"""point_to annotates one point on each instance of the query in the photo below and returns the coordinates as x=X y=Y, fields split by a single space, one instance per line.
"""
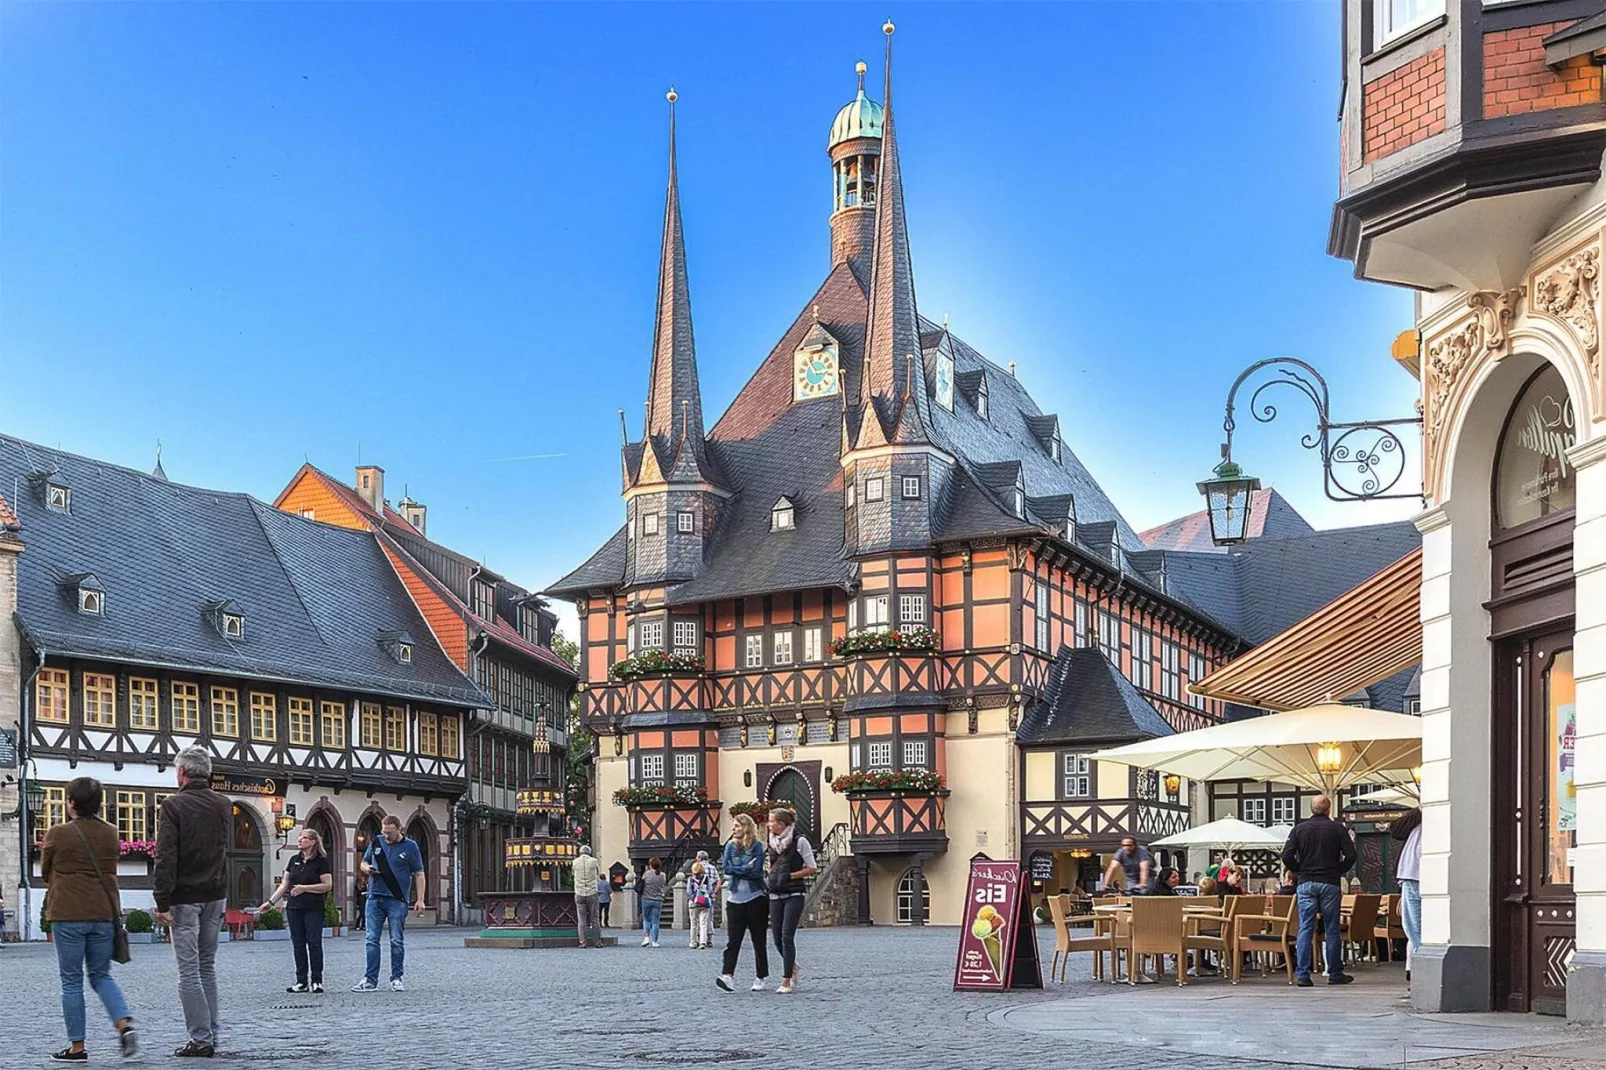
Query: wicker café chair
x=1389 y=927
x=1065 y=943
x=1360 y=930
x=1267 y=934
x=1157 y=931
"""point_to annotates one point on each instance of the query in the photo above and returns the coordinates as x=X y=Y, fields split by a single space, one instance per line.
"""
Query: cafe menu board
x=997 y=940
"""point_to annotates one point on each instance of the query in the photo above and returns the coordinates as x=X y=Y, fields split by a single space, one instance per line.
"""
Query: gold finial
x=671 y=96
x=859 y=68
x=888 y=28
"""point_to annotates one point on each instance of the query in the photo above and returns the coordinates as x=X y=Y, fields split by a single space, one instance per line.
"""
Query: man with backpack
x=391 y=863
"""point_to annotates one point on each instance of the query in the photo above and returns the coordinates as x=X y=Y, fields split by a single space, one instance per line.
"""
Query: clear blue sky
x=268 y=232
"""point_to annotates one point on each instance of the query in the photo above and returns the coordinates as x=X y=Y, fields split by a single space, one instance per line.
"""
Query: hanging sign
x=230 y=784
x=997 y=938
x=8 y=749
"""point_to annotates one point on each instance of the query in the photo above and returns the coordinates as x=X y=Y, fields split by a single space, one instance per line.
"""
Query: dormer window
x=1019 y=502
x=58 y=496
x=399 y=645
x=783 y=516
x=1070 y=529
x=86 y=592
x=234 y=625
x=404 y=653
x=91 y=601
x=1054 y=449
x=981 y=399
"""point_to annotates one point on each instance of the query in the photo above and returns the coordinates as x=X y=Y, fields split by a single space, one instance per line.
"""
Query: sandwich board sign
x=997 y=938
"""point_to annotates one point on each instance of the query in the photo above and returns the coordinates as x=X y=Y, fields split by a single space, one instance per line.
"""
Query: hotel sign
x=230 y=784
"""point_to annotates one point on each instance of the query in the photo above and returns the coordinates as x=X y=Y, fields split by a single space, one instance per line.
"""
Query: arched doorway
x=1533 y=725
x=419 y=832
x=795 y=789
x=906 y=897
x=367 y=831
x=320 y=823
x=245 y=862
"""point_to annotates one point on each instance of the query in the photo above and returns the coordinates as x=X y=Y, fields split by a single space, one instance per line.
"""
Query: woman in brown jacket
x=80 y=905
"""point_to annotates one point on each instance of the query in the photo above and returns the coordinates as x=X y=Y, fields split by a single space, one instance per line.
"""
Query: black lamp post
x=36 y=798
x=1361 y=460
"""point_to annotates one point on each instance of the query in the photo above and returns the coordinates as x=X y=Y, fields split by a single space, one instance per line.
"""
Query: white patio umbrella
x=1229 y=834
x=1405 y=793
x=1324 y=747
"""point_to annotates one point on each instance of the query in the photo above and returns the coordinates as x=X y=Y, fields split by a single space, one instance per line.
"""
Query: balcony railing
x=898 y=822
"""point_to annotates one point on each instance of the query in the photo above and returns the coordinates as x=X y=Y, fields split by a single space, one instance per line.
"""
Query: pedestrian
x=716 y=892
x=651 y=887
x=392 y=863
x=1408 y=871
x=191 y=882
x=587 y=876
x=307 y=880
x=604 y=897
x=747 y=910
x=791 y=859
x=79 y=865
x=1321 y=851
x=1132 y=863
x=699 y=901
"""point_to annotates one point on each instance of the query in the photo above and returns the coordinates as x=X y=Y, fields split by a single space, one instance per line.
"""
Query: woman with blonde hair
x=747 y=909
x=306 y=881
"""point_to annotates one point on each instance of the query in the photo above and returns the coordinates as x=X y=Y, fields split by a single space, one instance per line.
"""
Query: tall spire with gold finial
x=674 y=446
x=891 y=381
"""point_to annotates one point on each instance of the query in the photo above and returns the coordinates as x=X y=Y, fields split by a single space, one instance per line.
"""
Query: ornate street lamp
x=1173 y=785
x=1227 y=503
x=36 y=797
x=1361 y=461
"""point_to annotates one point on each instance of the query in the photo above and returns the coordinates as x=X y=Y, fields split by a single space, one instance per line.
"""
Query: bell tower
x=855 y=150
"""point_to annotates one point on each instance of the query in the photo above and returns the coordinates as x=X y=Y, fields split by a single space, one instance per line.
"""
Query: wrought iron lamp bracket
x=1362 y=460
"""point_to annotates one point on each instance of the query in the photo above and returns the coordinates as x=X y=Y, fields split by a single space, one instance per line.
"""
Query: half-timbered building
x=498 y=633
x=851 y=592
x=154 y=616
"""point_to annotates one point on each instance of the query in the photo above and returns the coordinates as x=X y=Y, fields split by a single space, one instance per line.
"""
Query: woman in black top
x=306 y=881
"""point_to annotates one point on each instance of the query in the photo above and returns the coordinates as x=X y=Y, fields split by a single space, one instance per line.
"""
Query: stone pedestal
x=530 y=919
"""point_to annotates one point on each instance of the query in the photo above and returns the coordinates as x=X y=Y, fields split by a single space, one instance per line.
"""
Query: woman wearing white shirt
x=1408 y=872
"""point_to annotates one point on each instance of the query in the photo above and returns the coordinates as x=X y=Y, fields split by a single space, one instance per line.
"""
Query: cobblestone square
x=870 y=998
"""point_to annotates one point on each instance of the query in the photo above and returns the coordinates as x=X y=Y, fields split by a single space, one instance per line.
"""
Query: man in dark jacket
x=192 y=843
x=1320 y=851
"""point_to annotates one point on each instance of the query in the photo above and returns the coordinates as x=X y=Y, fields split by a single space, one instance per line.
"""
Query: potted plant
x=910 y=781
x=331 y=916
x=661 y=795
x=654 y=660
x=139 y=926
x=907 y=640
x=137 y=849
x=270 y=925
x=758 y=811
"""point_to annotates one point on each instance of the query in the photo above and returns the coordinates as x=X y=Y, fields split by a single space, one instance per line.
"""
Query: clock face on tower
x=814 y=373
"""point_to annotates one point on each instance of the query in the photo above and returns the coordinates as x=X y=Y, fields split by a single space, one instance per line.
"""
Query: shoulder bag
x=389 y=876
x=120 y=952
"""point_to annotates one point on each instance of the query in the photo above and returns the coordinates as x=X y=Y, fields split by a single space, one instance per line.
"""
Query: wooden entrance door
x=797 y=786
x=1535 y=822
x=245 y=861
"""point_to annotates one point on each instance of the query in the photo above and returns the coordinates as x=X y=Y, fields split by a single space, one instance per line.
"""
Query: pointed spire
x=159 y=472
x=673 y=394
x=892 y=329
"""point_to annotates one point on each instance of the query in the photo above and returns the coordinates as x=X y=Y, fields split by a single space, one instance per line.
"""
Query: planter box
x=272 y=934
x=330 y=934
x=141 y=938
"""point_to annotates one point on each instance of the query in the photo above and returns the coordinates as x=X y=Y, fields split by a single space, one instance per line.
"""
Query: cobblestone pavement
x=870 y=998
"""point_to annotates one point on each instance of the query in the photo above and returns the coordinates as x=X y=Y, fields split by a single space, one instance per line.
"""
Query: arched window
x=1533 y=478
x=906 y=898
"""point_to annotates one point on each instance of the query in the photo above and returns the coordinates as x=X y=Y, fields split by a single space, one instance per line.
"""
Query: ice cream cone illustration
x=989 y=929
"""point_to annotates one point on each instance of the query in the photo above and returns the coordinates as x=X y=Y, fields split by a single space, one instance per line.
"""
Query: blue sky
x=428 y=233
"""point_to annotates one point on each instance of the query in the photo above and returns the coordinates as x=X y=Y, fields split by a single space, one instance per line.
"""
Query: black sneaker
x=194 y=1050
x=317 y=988
x=128 y=1040
x=1341 y=979
x=1304 y=982
x=298 y=987
x=67 y=1055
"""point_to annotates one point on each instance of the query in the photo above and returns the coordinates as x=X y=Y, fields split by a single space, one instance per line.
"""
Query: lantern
x=1329 y=759
x=1227 y=503
x=1173 y=784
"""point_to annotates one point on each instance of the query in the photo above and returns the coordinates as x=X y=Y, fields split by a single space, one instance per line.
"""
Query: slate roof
x=417 y=552
x=1087 y=700
x=1270 y=517
x=315 y=597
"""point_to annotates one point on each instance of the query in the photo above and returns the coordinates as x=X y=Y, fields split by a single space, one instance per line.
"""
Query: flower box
x=655 y=660
x=907 y=781
x=272 y=934
x=661 y=795
x=142 y=938
x=908 y=641
x=758 y=811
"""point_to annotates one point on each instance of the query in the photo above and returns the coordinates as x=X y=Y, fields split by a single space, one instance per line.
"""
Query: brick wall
x=1516 y=78
x=1403 y=107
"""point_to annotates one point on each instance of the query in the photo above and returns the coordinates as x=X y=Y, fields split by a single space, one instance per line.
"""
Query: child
x=699 y=900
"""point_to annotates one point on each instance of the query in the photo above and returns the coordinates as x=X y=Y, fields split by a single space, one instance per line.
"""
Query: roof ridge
x=29 y=447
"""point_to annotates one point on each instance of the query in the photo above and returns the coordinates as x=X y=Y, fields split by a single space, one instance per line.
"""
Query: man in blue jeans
x=391 y=863
x=1320 y=851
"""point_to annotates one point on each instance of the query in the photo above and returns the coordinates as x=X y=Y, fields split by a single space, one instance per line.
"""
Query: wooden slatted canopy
x=1367 y=634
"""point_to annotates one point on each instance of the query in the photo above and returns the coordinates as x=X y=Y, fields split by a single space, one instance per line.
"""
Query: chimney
x=371 y=486
x=413 y=512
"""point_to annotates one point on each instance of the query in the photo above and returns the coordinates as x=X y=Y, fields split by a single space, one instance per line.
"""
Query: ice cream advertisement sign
x=997 y=943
